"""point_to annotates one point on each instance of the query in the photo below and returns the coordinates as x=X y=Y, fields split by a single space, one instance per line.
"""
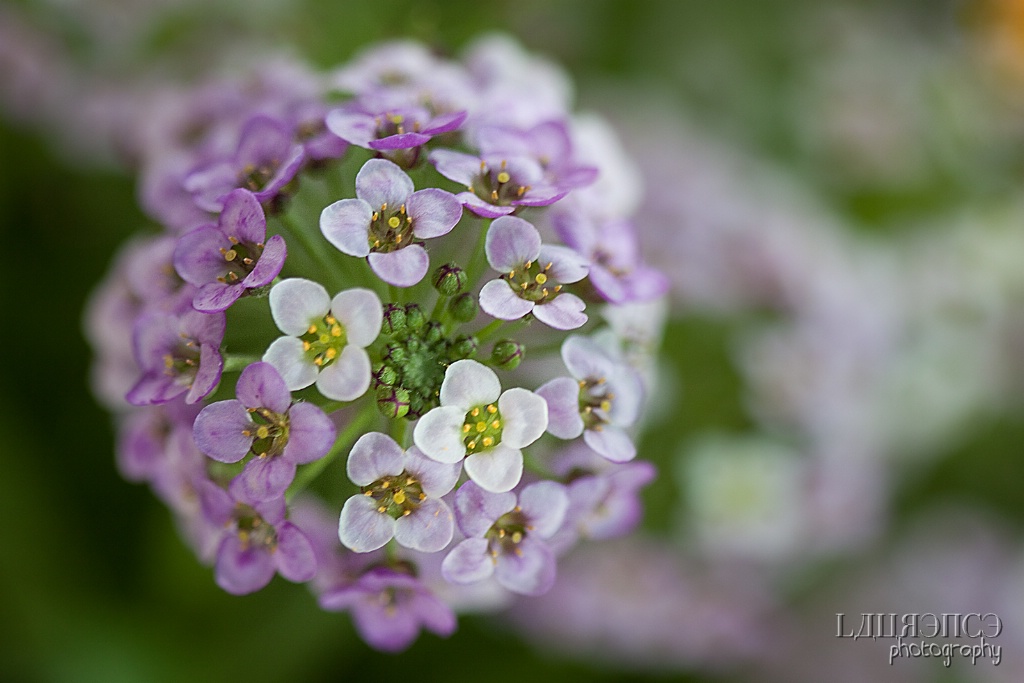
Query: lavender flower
x=401 y=497
x=533 y=274
x=327 y=337
x=264 y=421
x=227 y=259
x=478 y=422
x=390 y=607
x=497 y=185
x=506 y=536
x=256 y=541
x=266 y=159
x=383 y=221
x=600 y=400
x=178 y=355
x=549 y=143
x=390 y=129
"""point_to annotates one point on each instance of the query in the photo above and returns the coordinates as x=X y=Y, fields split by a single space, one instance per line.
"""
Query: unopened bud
x=385 y=375
x=463 y=307
x=462 y=348
x=507 y=354
x=449 y=279
x=433 y=333
x=394 y=319
x=414 y=317
x=393 y=402
x=394 y=353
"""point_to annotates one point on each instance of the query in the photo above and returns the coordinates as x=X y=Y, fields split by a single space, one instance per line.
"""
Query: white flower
x=479 y=422
x=326 y=339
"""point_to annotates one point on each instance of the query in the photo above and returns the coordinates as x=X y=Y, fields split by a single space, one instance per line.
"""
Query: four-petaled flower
x=532 y=276
x=479 y=422
x=392 y=128
x=327 y=338
x=496 y=185
x=264 y=421
x=228 y=258
x=506 y=536
x=401 y=497
x=386 y=218
x=257 y=541
x=600 y=400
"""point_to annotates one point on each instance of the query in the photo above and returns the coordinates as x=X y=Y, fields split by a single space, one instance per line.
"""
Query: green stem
x=395 y=293
x=236 y=362
x=489 y=330
x=399 y=431
x=314 y=250
x=477 y=259
x=352 y=431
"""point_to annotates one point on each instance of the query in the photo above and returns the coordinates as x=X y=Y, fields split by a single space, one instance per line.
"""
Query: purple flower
x=178 y=355
x=266 y=159
x=548 y=143
x=389 y=607
x=392 y=129
x=256 y=541
x=497 y=185
x=383 y=221
x=506 y=536
x=263 y=420
x=233 y=256
x=327 y=337
x=401 y=497
x=533 y=274
x=600 y=400
x=617 y=270
x=479 y=422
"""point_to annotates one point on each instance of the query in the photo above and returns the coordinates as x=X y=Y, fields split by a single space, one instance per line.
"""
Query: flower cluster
x=368 y=257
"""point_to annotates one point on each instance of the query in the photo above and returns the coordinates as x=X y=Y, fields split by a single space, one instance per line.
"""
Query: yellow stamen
x=541 y=278
x=488 y=442
x=399 y=496
x=504 y=177
x=230 y=255
x=262 y=432
x=312 y=329
x=331 y=353
x=496 y=424
x=481 y=426
x=474 y=412
x=336 y=330
x=491 y=409
x=394 y=221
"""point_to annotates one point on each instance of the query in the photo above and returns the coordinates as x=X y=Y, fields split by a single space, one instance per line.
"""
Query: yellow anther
x=471 y=445
x=504 y=164
x=492 y=409
x=465 y=429
x=234 y=240
x=336 y=330
x=474 y=412
x=494 y=195
x=518 y=552
x=397 y=118
x=246 y=432
x=312 y=329
x=496 y=424
x=398 y=238
x=488 y=442
x=521 y=191
x=406 y=513
x=247 y=261
x=306 y=346
x=481 y=426
x=367 y=493
x=399 y=496
x=318 y=361
x=168 y=361
x=606 y=405
x=541 y=278
x=409 y=481
x=383 y=207
x=382 y=508
x=386 y=483
x=262 y=432
x=331 y=353
x=330 y=319
x=501 y=533
x=394 y=221
x=230 y=255
x=517 y=536
x=376 y=243
x=504 y=177
x=401 y=209
x=558 y=288
x=511 y=274
x=232 y=277
x=423 y=496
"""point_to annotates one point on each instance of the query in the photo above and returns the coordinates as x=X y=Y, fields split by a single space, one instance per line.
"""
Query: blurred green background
x=95 y=584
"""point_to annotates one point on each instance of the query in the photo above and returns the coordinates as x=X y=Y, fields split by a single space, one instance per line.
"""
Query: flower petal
x=499 y=300
x=564 y=312
x=434 y=212
x=402 y=267
x=296 y=303
x=586 y=359
x=466 y=385
x=219 y=431
x=243 y=217
x=288 y=357
x=346 y=225
x=524 y=417
x=468 y=562
x=348 y=377
x=438 y=434
x=295 y=558
x=566 y=265
x=381 y=182
x=462 y=168
x=611 y=442
x=476 y=510
x=374 y=456
x=497 y=469
x=360 y=311
x=264 y=479
x=530 y=571
x=562 y=395
x=436 y=478
x=511 y=242
x=261 y=386
x=269 y=264
x=429 y=528
x=311 y=434
x=215 y=297
x=361 y=527
x=242 y=569
x=544 y=503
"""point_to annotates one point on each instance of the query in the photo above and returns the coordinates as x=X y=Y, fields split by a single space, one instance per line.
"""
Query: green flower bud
x=394 y=320
x=463 y=307
x=463 y=347
x=394 y=353
x=449 y=279
x=385 y=375
x=414 y=317
x=433 y=333
x=393 y=402
x=507 y=354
